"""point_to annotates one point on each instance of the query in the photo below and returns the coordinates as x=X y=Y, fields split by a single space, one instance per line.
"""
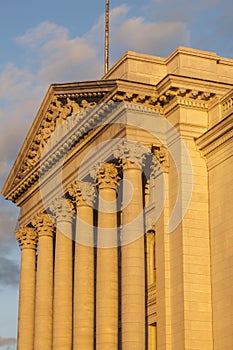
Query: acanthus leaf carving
x=44 y=224
x=59 y=110
x=82 y=192
x=27 y=238
x=62 y=209
x=107 y=176
x=131 y=153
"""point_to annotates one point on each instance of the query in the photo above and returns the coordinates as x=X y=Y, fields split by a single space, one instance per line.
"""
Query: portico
x=114 y=198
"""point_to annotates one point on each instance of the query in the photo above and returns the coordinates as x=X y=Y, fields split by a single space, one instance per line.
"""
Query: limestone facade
x=124 y=186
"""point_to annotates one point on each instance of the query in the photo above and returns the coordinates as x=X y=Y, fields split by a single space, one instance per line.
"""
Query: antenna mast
x=106 y=60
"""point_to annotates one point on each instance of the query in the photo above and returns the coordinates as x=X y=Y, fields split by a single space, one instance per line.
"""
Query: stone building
x=125 y=192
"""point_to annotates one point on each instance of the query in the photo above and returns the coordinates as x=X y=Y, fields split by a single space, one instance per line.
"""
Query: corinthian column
x=27 y=238
x=63 y=275
x=107 y=261
x=132 y=248
x=44 y=282
x=83 y=194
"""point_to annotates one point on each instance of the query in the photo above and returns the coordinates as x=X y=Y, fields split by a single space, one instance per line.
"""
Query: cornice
x=83 y=106
x=216 y=137
x=61 y=107
x=91 y=91
x=169 y=99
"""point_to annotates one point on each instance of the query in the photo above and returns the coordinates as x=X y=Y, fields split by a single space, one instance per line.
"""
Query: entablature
x=84 y=105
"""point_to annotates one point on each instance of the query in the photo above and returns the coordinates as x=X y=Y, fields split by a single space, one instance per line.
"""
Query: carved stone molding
x=61 y=108
x=107 y=176
x=62 y=209
x=148 y=100
x=70 y=140
x=164 y=102
x=131 y=154
x=27 y=238
x=83 y=193
x=44 y=224
x=216 y=136
x=64 y=106
x=74 y=109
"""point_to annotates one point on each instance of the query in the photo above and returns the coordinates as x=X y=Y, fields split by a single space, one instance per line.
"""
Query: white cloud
x=13 y=81
x=60 y=58
x=147 y=36
x=51 y=55
x=42 y=34
x=64 y=58
x=137 y=35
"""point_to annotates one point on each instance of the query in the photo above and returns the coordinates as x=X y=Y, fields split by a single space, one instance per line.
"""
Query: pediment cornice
x=79 y=100
x=60 y=102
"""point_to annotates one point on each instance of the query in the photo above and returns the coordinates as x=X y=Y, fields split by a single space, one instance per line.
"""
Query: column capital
x=62 y=209
x=132 y=154
x=107 y=176
x=27 y=238
x=44 y=224
x=83 y=193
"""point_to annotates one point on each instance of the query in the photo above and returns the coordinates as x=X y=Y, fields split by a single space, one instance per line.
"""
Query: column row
x=62 y=294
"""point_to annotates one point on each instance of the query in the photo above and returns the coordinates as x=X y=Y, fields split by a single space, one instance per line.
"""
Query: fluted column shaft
x=63 y=276
x=132 y=156
x=44 y=283
x=83 y=328
x=107 y=261
x=133 y=264
x=27 y=238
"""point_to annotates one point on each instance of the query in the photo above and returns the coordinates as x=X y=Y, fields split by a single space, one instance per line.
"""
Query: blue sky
x=48 y=41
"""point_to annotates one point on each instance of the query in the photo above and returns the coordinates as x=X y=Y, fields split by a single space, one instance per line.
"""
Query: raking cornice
x=79 y=101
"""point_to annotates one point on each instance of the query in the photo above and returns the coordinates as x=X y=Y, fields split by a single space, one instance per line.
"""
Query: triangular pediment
x=60 y=102
x=64 y=101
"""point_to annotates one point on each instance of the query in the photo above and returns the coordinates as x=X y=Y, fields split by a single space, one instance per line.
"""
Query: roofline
x=53 y=89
